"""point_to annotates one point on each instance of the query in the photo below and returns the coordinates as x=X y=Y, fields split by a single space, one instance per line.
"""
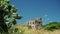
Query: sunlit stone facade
x=36 y=23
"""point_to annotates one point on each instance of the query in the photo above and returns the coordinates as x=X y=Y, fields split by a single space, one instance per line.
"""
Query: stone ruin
x=35 y=24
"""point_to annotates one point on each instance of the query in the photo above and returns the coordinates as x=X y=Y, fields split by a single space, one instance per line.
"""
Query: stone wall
x=36 y=23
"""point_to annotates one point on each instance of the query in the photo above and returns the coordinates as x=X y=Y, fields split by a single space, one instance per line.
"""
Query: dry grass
x=25 y=30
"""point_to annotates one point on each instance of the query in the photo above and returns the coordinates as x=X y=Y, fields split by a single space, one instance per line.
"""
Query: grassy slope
x=25 y=30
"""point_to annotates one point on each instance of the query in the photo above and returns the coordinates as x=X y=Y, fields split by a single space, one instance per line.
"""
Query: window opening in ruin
x=33 y=22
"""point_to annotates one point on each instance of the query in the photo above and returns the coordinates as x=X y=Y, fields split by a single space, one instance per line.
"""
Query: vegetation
x=8 y=15
x=25 y=30
x=20 y=29
x=52 y=26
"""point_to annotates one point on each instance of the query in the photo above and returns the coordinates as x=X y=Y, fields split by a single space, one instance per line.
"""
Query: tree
x=8 y=15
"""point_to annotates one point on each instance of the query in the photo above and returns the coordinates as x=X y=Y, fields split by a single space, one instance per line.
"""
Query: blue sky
x=48 y=10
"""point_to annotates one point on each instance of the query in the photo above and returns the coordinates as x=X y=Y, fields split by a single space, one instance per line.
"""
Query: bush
x=52 y=26
x=29 y=27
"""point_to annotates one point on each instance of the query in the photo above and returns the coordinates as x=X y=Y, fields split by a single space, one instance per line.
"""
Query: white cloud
x=51 y=21
x=48 y=19
x=45 y=15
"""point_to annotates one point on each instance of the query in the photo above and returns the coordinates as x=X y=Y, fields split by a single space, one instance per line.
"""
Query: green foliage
x=15 y=31
x=29 y=27
x=52 y=26
x=8 y=14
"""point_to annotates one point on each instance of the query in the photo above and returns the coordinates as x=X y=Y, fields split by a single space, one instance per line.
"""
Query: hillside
x=25 y=30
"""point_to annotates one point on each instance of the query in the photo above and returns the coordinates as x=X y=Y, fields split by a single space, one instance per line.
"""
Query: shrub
x=52 y=26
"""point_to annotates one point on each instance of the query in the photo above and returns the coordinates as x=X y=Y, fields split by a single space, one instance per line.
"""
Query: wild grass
x=26 y=30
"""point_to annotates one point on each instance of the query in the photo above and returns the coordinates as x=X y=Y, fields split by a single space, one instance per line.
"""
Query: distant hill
x=52 y=26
